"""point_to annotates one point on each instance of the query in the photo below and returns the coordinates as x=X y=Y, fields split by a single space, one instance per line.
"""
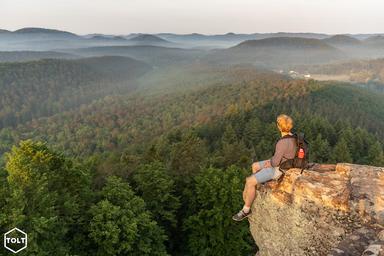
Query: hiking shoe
x=240 y=215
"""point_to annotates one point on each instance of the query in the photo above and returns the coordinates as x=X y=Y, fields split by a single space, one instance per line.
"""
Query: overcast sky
x=200 y=16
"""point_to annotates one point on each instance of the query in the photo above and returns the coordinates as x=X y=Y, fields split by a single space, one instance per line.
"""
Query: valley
x=119 y=137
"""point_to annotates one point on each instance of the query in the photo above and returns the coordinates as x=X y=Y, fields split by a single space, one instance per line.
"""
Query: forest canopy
x=158 y=170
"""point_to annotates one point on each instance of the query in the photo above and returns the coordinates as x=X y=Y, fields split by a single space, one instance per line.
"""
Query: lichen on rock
x=339 y=211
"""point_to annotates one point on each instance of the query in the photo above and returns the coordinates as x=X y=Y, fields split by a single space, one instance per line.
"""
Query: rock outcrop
x=338 y=210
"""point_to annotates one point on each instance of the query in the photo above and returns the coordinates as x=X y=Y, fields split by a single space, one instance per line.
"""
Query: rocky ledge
x=327 y=210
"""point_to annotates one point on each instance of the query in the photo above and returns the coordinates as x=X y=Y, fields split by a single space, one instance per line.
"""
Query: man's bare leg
x=255 y=168
x=244 y=192
x=249 y=194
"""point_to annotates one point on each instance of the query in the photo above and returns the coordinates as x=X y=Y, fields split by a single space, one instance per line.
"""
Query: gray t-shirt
x=285 y=149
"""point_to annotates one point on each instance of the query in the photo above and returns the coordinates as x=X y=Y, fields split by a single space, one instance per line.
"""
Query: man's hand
x=256 y=167
x=267 y=164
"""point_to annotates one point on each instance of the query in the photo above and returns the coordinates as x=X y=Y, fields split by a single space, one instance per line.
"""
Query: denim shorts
x=267 y=174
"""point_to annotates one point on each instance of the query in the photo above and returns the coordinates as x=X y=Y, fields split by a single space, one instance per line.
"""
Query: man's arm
x=279 y=152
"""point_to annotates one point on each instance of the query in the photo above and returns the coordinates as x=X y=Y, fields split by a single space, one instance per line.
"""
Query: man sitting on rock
x=267 y=170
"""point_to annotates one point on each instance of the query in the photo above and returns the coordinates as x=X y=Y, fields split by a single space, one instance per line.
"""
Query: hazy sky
x=201 y=16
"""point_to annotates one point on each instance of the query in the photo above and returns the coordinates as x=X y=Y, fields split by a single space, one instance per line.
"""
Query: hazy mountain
x=230 y=39
x=42 y=39
x=285 y=43
x=289 y=34
x=355 y=48
x=196 y=40
x=154 y=55
x=33 y=55
x=238 y=37
x=375 y=40
x=44 y=31
x=108 y=38
x=45 y=87
x=38 y=39
x=364 y=36
x=115 y=67
x=183 y=37
x=148 y=39
x=278 y=52
x=342 y=40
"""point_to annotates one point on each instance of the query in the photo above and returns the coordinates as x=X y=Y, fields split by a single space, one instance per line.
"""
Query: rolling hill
x=148 y=39
x=342 y=40
x=31 y=34
x=375 y=41
x=155 y=142
x=278 y=52
x=38 y=39
x=45 y=87
x=138 y=119
x=235 y=37
x=291 y=43
x=155 y=55
x=108 y=38
x=45 y=31
x=195 y=141
x=33 y=55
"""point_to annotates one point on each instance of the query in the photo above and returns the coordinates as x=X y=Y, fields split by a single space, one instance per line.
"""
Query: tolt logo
x=15 y=240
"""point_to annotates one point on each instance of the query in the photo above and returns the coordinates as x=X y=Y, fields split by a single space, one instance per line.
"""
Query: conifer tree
x=341 y=152
x=210 y=229
x=120 y=224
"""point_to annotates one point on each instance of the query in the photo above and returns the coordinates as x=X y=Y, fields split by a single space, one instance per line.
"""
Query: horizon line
x=190 y=33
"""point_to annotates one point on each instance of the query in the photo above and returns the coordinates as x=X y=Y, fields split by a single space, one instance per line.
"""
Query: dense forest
x=116 y=146
x=160 y=171
x=45 y=87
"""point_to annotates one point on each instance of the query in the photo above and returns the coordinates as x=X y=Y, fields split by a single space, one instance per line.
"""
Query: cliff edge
x=329 y=210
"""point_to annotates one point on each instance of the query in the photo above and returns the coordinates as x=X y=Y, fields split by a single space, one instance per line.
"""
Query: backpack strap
x=286 y=160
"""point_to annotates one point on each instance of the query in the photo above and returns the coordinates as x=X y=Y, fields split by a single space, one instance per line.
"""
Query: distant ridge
x=147 y=38
x=293 y=34
x=32 y=30
x=108 y=38
x=375 y=39
x=4 y=31
x=285 y=42
x=21 y=56
x=154 y=54
x=251 y=35
x=342 y=40
x=277 y=52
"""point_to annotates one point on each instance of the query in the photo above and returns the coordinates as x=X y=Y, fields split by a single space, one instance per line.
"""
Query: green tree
x=4 y=195
x=233 y=150
x=320 y=150
x=188 y=156
x=120 y=224
x=341 y=152
x=156 y=187
x=210 y=229
x=375 y=155
x=47 y=197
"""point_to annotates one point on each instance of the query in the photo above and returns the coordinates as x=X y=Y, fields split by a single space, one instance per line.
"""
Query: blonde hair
x=284 y=123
